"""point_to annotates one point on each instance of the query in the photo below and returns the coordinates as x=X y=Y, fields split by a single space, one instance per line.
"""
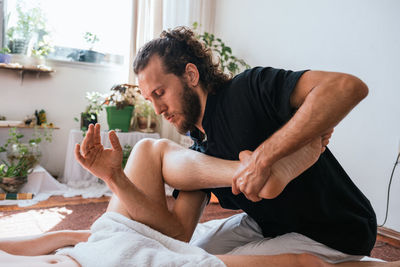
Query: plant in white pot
x=120 y=105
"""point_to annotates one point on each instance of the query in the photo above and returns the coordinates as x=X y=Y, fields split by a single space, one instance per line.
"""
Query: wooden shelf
x=27 y=126
x=23 y=70
x=27 y=69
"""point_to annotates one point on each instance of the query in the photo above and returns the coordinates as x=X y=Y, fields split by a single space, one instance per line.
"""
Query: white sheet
x=119 y=241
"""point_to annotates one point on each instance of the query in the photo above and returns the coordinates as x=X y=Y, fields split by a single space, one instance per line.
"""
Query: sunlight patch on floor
x=31 y=222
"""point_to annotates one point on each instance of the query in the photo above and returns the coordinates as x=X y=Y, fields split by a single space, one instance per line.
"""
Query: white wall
x=360 y=37
x=61 y=95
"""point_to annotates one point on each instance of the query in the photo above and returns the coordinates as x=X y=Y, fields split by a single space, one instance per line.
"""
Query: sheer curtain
x=150 y=17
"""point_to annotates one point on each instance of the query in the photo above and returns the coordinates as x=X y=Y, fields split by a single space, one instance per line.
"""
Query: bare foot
x=286 y=169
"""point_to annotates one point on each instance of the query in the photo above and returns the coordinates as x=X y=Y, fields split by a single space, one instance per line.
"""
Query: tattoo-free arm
x=322 y=100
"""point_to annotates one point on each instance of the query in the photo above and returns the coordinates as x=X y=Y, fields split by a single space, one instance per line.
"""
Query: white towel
x=119 y=241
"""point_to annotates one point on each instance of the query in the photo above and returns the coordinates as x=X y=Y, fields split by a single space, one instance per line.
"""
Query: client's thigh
x=39 y=261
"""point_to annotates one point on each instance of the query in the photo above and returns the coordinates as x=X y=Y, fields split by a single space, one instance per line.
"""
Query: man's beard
x=191 y=109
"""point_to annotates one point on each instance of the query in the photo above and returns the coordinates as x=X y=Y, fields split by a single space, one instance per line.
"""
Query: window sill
x=82 y=65
x=54 y=63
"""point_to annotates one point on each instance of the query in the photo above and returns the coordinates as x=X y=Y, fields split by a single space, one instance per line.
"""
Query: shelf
x=23 y=70
x=27 y=69
x=28 y=127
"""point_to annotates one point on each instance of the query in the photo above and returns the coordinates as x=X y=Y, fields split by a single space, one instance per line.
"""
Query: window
x=73 y=30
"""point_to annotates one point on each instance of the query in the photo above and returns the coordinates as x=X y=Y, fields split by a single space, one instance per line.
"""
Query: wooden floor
x=56 y=201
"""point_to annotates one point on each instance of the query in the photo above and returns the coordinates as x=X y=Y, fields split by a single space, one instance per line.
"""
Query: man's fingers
x=327 y=135
x=114 y=141
x=248 y=191
x=244 y=155
x=78 y=155
x=235 y=188
x=96 y=134
x=87 y=141
x=325 y=139
x=325 y=142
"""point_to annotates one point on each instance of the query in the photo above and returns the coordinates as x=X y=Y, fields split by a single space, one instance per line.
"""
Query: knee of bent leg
x=144 y=144
x=162 y=145
x=309 y=260
x=148 y=145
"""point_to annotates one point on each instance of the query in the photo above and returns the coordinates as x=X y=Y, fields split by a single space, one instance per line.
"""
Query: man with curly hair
x=260 y=117
x=120 y=238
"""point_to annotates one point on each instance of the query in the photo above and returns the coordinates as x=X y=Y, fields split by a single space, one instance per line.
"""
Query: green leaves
x=15 y=170
x=126 y=151
x=227 y=61
x=22 y=157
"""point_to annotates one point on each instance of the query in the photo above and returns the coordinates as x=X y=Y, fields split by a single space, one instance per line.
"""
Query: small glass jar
x=30 y=152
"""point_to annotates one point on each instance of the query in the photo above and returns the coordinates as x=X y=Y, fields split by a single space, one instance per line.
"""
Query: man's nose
x=158 y=108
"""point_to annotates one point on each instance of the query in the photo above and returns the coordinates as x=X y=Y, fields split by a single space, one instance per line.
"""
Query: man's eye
x=159 y=92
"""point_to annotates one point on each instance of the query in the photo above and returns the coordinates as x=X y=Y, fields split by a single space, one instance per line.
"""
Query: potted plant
x=126 y=151
x=90 y=55
x=4 y=55
x=119 y=106
x=30 y=21
x=146 y=117
x=41 y=50
x=14 y=176
x=21 y=158
x=227 y=61
x=92 y=111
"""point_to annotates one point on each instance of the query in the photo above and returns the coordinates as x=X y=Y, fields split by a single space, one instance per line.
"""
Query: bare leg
x=153 y=162
x=283 y=260
x=32 y=250
x=286 y=169
x=44 y=243
x=144 y=170
x=190 y=170
x=294 y=260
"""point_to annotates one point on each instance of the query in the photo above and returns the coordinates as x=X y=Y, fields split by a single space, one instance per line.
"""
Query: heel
x=286 y=169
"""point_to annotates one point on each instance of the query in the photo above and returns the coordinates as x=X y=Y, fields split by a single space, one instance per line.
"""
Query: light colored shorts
x=241 y=235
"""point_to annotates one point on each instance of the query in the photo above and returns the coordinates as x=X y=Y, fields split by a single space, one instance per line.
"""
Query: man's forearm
x=323 y=108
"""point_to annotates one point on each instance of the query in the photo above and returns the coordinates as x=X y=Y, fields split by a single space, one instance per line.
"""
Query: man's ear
x=192 y=74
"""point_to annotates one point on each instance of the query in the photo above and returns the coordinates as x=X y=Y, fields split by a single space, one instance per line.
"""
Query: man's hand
x=325 y=139
x=101 y=162
x=250 y=176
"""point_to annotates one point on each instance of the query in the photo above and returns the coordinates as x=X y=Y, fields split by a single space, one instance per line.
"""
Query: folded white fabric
x=119 y=241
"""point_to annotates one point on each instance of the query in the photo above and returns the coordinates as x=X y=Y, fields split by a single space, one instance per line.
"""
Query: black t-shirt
x=322 y=203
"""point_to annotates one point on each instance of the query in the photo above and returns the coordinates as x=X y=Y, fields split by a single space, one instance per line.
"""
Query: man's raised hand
x=101 y=162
